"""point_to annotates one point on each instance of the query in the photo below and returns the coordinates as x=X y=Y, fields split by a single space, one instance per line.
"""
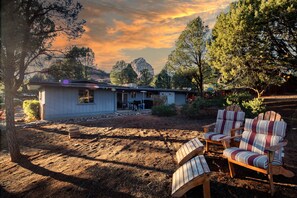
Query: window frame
x=88 y=96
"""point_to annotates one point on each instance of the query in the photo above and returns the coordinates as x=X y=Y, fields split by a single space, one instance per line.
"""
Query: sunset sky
x=129 y=29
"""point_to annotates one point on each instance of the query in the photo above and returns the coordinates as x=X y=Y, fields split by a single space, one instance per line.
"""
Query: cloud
x=116 y=26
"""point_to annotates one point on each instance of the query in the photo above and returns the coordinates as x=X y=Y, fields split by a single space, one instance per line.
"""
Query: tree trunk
x=11 y=135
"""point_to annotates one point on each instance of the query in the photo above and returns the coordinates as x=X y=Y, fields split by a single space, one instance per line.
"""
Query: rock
x=140 y=64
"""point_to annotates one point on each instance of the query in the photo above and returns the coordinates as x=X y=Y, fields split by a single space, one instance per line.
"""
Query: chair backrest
x=269 y=115
x=260 y=134
x=227 y=120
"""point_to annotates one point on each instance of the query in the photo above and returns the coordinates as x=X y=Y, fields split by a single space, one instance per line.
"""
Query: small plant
x=254 y=107
x=238 y=98
x=164 y=110
x=31 y=109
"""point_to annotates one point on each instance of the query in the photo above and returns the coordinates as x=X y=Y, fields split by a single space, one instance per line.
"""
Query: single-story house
x=66 y=99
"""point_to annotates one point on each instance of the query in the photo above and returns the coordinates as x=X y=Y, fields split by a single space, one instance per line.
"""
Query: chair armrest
x=276 y=147
x=226 y=140
x=230 y=137
x=206 y=127
x=271 y=150
x=235 y=129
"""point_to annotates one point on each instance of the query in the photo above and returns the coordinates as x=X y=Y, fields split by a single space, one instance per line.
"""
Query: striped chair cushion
x=227 y=120
x=214 y=136
x=260 y=134
x=249 y=157
x=230 y=115
x=224 y=126
x=277 y=128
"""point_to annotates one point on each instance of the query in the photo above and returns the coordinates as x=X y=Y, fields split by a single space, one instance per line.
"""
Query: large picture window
x=85 y=96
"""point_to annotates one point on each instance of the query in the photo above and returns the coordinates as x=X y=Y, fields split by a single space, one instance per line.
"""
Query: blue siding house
x=69 y=99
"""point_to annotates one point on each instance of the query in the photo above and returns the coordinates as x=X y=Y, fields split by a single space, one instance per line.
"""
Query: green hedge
x=164 y=110
x=31 y=109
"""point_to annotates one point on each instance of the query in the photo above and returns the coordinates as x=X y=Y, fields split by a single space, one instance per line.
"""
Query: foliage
x=246 y=44
x=159 y=100
x=66 y=69
x=200 y=107
x=190 y=52
x=38 y=23
x=163 y=80
x=164 y=110
x=122 y=73
x=31 y=109
x=145 y=78
x=129 y=75
x=183 y=78
x=238 y=98
x=253 y=107
x=74 y=65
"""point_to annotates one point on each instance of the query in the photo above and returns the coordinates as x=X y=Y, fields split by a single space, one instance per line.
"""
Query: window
x=149 y=95
x=85 y=96
x=133 y=94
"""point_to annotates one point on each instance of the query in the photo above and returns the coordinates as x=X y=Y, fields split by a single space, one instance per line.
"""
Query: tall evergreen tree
x=190 y=52
x=122 y=73
x=249 y=49
x=163 y=80
x=28 y=28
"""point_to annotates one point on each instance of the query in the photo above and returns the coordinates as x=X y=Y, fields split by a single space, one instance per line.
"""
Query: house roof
x=33 y=85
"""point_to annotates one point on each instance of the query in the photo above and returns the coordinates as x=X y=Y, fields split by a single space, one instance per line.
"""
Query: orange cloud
x=116 y=26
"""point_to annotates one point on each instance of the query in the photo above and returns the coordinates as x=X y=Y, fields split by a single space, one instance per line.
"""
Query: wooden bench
x=188 y=150
x=191 y=174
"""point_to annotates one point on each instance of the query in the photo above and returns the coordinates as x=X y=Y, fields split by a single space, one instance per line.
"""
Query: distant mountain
x=140 y=64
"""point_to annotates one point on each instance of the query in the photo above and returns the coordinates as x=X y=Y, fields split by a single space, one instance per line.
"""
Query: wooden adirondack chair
x=229 y=123
x=260 y=147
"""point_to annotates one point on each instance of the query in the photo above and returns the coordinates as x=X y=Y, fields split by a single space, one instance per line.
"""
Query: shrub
x=253 y=107
x=31 y=109
x=200 y=107
x=238 y=98
x=164 y=110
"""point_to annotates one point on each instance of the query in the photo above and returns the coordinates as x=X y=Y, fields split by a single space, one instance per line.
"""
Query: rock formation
x=140 y=64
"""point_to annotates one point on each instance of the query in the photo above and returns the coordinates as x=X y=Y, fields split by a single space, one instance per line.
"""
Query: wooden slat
x=189 y=150
x=204 y=164
x=189 y=175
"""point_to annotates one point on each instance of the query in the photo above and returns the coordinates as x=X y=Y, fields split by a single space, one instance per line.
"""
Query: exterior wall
x=170 y=97
x=63 y=103
x=180 y=98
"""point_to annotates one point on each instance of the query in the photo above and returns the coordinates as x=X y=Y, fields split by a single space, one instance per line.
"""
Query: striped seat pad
x=214 y=136
x=249 y=157
x=227 y=120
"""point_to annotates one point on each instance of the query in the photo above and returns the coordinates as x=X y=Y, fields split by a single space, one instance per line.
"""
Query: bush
x=238 y=98
x=164 y=110
x=253 y=107
x=201 y=107
x=31 y=109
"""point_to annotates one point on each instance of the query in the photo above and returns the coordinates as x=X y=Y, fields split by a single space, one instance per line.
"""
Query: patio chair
x=229 y=123
x=229 y=120
x=260 y=149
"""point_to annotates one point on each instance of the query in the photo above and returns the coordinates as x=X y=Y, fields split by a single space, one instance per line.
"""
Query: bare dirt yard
x=127 y=156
